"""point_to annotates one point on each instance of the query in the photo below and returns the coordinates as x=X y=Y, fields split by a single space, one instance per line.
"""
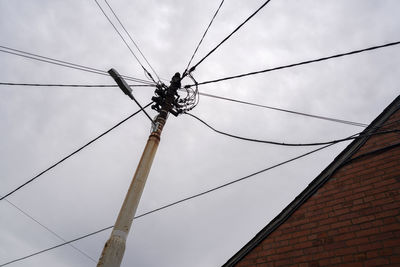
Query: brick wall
x=352 y=220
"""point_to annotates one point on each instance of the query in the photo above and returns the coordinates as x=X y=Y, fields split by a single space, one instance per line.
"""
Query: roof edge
x=317 y=183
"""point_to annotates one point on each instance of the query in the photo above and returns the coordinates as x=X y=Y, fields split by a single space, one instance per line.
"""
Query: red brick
x=376 y=262
x=345 y=251
x=363 y=219
x=353 y=220
x=395 y=259
x=348 y=258
x=264 y=253
x=353 y=264
x=340 y=224
x=345 y=236
x=383 y=201
x=391 y=243
x=357 y=241
x=301 y=233
x=339 y=212
x=266 y=264
x=283 y=249
x=283 y=262
x=367 y=232
x=390 y=227
x=369 y=246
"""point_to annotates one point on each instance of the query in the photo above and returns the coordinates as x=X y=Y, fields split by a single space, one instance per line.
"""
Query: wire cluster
x=178 y=103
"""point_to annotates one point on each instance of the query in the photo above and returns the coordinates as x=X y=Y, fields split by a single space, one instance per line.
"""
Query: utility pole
x=166 y=102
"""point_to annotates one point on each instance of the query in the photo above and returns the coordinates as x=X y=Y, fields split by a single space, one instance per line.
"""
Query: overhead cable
x=130 y=37
x=200 y=93
x=49 y=230
x=63 y=63
x=300 y=63
x=286 y=110
x=195 y=196
x=226 y=38
x=123 y=39
x=73 y=153
x=169 y=205
x=279 y=143
x=73 y=85
x=54 y=247
x=202 y=38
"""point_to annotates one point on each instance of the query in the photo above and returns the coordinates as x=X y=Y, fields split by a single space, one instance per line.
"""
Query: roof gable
x=349 y=154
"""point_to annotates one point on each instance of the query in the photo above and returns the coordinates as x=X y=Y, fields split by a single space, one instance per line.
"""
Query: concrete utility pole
x=114 y=248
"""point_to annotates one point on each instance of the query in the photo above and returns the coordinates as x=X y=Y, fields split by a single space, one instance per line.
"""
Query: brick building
x=347 y=216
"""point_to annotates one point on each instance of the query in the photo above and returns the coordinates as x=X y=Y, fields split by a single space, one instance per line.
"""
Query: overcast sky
x=41 y=125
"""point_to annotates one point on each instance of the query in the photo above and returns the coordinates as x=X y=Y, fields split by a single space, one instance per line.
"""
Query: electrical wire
x=198 y=195
x=200 y=93
x=286 y=110
x=279 y=143
x=130 y=37
x=203 y=94
x=123 y=39
x=226 y=38
x=63 y=63
x=53 y=62
x=169 y=205
x=300 y=63
x=72 y=85
x=57 y=246
x=73 y=153
x=202 y=38
x=49 y=230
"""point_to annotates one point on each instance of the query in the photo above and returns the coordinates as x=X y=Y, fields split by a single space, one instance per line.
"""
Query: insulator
x=157 y=99
x=155 y=107
x=160 y=92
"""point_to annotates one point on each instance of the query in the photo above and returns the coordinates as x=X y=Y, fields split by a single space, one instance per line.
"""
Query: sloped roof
x=318 y=182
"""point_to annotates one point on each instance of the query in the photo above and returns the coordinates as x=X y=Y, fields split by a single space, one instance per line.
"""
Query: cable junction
x=181 y=103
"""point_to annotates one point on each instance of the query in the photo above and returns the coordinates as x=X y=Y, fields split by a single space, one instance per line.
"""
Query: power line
x=73 y=153
x=202 y=38
x=286 y=110
x=300 y=63
x=72 y=85
x=123 y=39
x=171 y=204
x=226 y=38
x=200 y=194
x=279 y=143
x=130 y=37
x=49 y=230
x=203 y=94
x=53 y=62
x=63 y=63
x=57 y=246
